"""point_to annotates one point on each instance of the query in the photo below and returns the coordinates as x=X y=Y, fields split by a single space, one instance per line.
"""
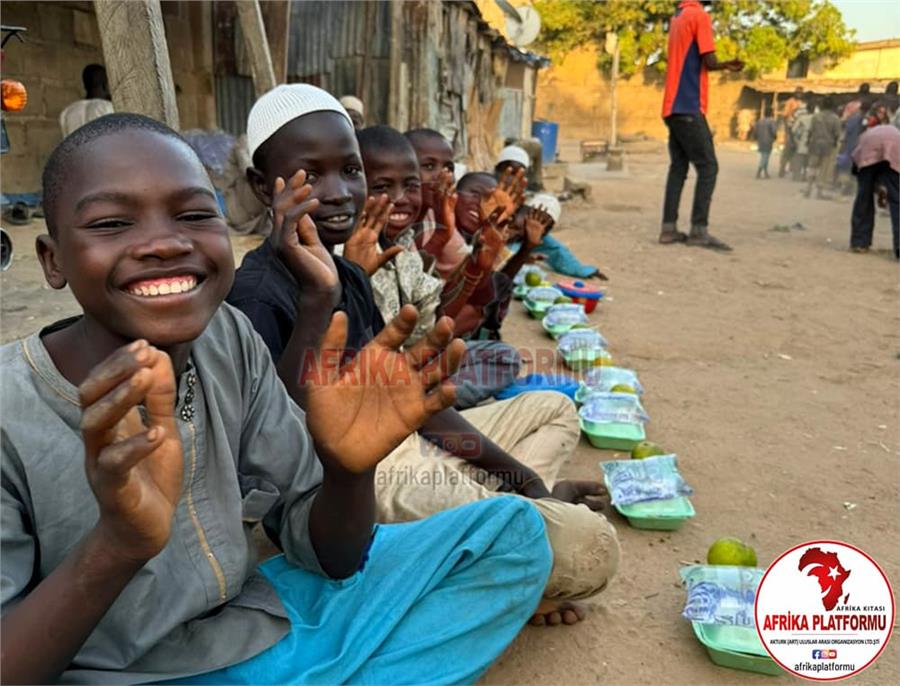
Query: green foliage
x=765 y=34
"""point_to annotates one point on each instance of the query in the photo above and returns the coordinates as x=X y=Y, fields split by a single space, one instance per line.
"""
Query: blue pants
x=561 y=260
x=437 y=601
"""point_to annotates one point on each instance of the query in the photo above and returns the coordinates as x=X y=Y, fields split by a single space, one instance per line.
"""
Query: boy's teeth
x=164 y=287
x=399 y=216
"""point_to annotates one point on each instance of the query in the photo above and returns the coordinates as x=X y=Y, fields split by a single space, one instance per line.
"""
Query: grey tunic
x=199 y=605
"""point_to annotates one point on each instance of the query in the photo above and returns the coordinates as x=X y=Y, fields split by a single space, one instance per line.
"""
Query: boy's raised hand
x=135 y=470
x=362 y=246
x=513 y=183
x=489 y=243
x=358 y=412
x=296 y=239
x=537 y=221
x=444 y=211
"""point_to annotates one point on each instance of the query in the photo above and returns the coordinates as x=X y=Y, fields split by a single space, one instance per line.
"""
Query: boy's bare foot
x=590 y=493
x=556 y=612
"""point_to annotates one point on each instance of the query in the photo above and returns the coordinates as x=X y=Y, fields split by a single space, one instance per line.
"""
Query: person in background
x=691 y=55
x=96 y=101
x=876 y=160
x=853 y=127
x=824 y=136
x=856 y=103
x=800 y=134
x=787 y=120
x=766 y=130
x=356 y=110
x=512 y=157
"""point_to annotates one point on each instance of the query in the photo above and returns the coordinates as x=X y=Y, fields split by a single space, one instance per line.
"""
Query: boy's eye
x=311 y=177
x=352 y=171
x=429 y=166
x=109 y=224
x=197 y=216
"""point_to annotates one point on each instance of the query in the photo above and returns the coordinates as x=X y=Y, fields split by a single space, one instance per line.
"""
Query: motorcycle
x=14 y=99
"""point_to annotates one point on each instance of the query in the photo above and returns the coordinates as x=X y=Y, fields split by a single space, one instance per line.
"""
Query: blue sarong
x=561 y=260
x=437 y=601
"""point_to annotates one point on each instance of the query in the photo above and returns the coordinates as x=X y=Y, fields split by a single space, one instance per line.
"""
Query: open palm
x=135 y=470
x=360 y=411
x=296 y=239
x=362 y=247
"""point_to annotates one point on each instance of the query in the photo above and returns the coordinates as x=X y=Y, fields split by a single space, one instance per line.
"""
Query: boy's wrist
x=104 y=559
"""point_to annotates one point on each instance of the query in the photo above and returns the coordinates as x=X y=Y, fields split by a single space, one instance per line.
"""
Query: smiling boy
x=144 y=439
x=520 y=444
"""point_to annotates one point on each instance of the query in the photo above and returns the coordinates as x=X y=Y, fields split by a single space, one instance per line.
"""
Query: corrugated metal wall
x=344 y=47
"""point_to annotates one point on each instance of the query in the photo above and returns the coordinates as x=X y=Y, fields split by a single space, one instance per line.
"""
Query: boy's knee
x=585 y=551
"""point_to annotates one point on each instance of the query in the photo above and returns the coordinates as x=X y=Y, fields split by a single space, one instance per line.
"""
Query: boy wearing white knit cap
x=299 y=127
x=355 y=109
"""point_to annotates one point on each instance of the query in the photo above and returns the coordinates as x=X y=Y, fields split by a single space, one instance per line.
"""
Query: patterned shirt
x=403 y=281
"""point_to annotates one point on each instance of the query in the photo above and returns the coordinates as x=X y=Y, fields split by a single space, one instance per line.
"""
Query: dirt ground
x=773 y=372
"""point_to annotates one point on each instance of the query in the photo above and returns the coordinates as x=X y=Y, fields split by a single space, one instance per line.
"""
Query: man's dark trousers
x=690 y=142
x=862 y=220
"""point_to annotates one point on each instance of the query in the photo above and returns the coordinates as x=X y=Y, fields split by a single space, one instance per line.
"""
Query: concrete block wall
x=62 y=38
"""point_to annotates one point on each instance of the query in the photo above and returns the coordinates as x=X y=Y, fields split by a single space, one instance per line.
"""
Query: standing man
x=824 y=137
x=95 y=104
x=876 y=160
x=692 y=53
x=787 y=119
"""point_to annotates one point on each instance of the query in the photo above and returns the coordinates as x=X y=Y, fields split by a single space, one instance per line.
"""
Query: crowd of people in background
x=852 y=149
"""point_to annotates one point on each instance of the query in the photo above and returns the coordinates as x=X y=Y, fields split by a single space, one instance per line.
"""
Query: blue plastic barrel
x=546 y=132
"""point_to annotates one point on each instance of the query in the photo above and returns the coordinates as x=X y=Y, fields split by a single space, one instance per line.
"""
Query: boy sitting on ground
x=300 y=127
x=392 y=174
x=145 y=438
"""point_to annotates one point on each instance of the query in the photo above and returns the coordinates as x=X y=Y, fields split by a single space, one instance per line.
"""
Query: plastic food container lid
x=581 y=339
x=579 y=289
x=543 y=294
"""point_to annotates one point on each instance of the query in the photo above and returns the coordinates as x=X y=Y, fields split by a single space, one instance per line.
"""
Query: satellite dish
x=525 y=31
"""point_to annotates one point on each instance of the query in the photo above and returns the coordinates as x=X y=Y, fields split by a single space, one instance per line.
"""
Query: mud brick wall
x=62 y=39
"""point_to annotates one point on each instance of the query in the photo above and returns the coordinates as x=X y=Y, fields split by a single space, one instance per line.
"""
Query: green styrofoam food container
x=557 y=330
x=582 y=358
x=719 y=641
x=520 y=291
x=658 y=515
x=613 y=435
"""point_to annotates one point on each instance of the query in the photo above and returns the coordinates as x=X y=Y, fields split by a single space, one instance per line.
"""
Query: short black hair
x=864 y=88
x=90 y=74
x=828 y=102
x=375 y=139
x=472 y=177
x=891 y=88
x=413 y=134
x=57 y=164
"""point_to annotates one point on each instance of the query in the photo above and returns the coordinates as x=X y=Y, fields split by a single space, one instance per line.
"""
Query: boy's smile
x=139 y=238
x=396 y=173
x=468 y=207
x=324 y=145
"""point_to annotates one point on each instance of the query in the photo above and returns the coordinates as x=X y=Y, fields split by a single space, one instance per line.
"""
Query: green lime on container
x=731 y=551
x=645 y=449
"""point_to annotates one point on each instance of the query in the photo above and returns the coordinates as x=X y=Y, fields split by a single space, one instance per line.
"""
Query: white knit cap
x=285 y=103
x=513 y=153
x=548 y=203
x=351 y=102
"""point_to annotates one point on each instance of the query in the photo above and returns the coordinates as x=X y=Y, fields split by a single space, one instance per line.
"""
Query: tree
x=765 y=34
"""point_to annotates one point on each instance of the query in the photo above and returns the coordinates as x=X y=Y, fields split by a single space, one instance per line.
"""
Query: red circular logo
x=824 y=610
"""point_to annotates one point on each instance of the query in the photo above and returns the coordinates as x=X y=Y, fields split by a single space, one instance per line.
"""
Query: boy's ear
x=48 y=254
x=257 y=181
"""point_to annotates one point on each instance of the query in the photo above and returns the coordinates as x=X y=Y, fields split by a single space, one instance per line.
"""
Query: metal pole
x=614 y=105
